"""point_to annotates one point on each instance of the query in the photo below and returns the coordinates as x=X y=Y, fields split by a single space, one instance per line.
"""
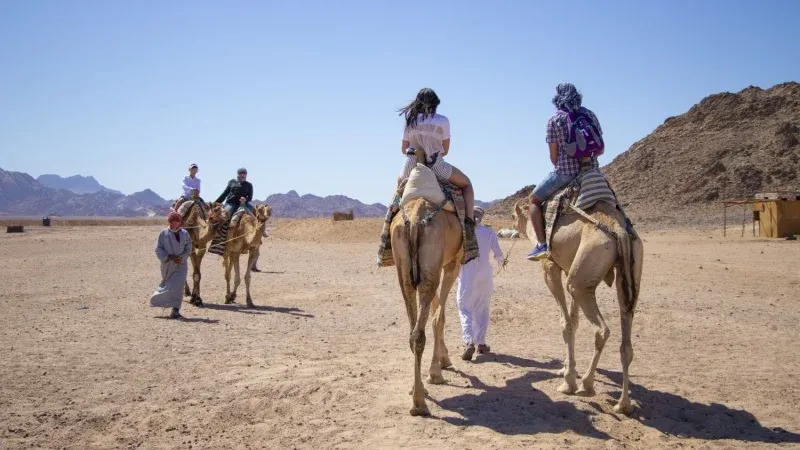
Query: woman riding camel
x=429 y=131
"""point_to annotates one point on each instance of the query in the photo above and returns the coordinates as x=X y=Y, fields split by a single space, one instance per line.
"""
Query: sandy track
x=323 y=361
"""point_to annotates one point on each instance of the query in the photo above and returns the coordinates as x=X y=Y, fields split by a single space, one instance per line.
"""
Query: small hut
x=777 y=213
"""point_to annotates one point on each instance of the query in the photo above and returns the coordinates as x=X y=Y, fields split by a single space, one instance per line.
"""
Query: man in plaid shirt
x=567 y=168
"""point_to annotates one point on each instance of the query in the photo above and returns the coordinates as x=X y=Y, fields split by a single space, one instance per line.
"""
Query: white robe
x=475 y=287
x=169 y=293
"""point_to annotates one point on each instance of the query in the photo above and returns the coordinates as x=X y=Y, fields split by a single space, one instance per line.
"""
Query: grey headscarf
x=567 y=97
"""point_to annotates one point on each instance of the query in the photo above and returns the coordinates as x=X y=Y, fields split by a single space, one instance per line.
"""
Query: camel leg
x=574 y=317
x=228 y=263
x=585 y=297
x=237 y=276
x=449 y=277
x=625 y=350
x=247 y=272
x=417 y=342
x=197 y=260
x=552 y=276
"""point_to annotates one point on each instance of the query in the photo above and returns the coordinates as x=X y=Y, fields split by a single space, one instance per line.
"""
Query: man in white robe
x=173 y=249
x=475 y=287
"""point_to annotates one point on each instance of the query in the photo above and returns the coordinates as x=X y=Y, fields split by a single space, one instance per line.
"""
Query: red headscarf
x=173 y=216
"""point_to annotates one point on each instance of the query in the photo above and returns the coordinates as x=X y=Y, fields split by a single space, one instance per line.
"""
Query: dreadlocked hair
x=425 y=104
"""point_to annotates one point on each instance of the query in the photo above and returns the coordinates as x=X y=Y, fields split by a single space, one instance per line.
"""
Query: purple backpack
x=583 y=139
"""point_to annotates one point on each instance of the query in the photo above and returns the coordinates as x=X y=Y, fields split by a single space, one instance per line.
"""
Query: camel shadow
x=518 y=407
x=257 y=309
x=516 y=361
x=674 y=415
x=189 y=319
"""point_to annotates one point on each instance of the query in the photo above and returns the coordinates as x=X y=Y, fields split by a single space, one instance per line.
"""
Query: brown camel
x=200 y=221
x=426 y=257
x=589 y=255
x=244 y=238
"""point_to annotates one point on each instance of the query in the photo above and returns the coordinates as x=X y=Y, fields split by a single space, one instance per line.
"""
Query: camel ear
x=517 y=209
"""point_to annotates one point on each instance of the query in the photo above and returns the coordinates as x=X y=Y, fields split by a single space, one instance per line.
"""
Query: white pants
x=474 y=290
x=441 y=168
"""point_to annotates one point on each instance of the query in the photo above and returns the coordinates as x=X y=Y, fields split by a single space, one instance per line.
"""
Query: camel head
x=521 y=216
x=263 y=212
x=217 y=213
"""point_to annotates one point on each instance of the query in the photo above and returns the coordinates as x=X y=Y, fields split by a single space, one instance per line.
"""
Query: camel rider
x=425 y=129
x=191 y=186
x=567 y=100
x=239 y=192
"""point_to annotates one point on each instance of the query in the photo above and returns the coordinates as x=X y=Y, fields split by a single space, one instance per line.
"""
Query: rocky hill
x=76 y=183
x=728 y=146
x=22 y=195
x=292 y=204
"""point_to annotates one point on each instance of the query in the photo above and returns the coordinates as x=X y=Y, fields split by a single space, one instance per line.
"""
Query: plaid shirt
x=557 y=132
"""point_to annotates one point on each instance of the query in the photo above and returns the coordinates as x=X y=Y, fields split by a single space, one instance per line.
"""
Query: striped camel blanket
x=584 y=192
x=453 y=194
x=221 y=236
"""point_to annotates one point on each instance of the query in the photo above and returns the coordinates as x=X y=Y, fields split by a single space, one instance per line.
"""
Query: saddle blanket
x=453 y=194
x=221 y=236
x=583 y=193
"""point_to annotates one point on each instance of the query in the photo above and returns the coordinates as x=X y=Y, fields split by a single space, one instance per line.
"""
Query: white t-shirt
x=428 y=134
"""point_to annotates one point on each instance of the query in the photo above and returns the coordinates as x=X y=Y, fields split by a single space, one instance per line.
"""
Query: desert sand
x=323 y=360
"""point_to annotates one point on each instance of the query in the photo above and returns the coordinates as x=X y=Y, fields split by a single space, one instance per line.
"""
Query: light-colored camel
x=589 y=255
x=244 y=238
x=426 y=257
x=200 y=222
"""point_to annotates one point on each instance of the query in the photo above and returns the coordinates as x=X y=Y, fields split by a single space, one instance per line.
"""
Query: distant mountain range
x=77 y=195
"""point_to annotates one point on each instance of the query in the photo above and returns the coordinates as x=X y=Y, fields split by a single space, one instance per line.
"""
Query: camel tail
x=629 y=268
x=413 y=247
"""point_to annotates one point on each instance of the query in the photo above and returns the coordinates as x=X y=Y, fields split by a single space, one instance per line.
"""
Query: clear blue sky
x=304 y=93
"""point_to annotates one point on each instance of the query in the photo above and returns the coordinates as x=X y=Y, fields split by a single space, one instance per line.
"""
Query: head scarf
x=174 y=215
x=478 y=213
x=567 y=97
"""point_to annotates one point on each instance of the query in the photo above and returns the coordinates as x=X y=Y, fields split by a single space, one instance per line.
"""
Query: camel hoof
x=567 y=388
x=436 y=379
x=250 y=303
x=623 y=408
x=587 y=388
x=197 y=302
x=420 y=411
x=446 y=363
x=187 y=293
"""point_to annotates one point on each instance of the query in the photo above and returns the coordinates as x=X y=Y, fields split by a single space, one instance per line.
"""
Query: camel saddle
x=226 y=232
x=588 y=188
x=422 y=183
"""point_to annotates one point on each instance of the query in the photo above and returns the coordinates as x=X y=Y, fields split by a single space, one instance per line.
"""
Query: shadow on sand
x=674 y=415
x=257 y=309
x=518 y=407
x=189 y=319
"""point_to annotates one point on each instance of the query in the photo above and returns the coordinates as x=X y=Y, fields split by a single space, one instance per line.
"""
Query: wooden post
x=744 y=218
x=725 y=220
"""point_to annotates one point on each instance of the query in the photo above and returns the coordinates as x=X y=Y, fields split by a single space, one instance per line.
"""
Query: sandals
x=467 y=356
x=483 y=348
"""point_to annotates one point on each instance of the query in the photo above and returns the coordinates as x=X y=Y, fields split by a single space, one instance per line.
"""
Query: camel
x=244 y=238
x=200 y=223
x=426 y=256
x=589 y=255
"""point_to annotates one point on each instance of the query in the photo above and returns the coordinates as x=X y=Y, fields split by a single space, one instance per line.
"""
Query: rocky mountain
x=728 y=146
x=291 y=204
x=22 y=195
x=76 y=183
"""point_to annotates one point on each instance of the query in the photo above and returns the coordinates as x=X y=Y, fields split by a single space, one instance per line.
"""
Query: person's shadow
x=189 y=319
x=518 y=407
x=674 y=415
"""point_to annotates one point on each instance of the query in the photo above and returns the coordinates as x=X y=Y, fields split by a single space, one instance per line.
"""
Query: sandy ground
x=323 y=361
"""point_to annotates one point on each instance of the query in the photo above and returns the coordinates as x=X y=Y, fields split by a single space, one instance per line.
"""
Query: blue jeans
x=551 y=184
x=231 y=208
